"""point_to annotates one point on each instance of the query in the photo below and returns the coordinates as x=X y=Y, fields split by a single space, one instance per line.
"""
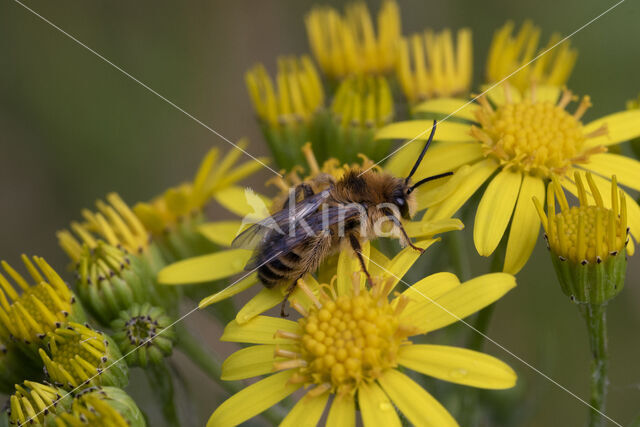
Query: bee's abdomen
x=281 y=269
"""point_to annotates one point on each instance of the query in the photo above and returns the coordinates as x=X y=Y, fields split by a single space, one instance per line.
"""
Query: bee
x=324 y=215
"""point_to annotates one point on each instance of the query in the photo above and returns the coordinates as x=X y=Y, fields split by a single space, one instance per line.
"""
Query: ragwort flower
x=78 y=355
x=352 y=343
x=527 y=139
x=430 y=66
x=42 y=307
x=347 y=45
x=509 y=53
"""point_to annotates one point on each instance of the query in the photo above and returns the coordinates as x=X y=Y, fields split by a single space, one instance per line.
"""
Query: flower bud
x=361 y=105
x=144 y=335
x=78 y=356
x=37 y=403
x=587 y=242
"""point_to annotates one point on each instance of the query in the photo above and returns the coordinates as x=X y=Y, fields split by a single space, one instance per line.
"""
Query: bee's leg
x=355 y=245
x=408 y=241
x=288 y=292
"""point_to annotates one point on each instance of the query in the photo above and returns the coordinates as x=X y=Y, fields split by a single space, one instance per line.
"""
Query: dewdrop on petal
x=587 y=242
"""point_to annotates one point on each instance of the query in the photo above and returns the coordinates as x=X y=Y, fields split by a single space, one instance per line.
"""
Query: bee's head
x=403 y=197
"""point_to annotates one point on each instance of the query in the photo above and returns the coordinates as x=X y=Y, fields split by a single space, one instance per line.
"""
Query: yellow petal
x=604 y=186
x=525 y=226
x=348 y=263
x=460 y=302
x=458 y=365
x=299 y=296
x=205 y=268
x=260 y=330
x=473 y=180
x=419 y=130
x=235 y=200
x=626 y=169
x=401 y=263
x=621 y=126
x=377 y=262
x=264 y=300
x=342 y=412
x=306 y=412
x=456 y=107
x=253 y=399
x=241 y=172
x=496 y=93
x=251 y=362
x=427 y=197
x=221 y=232
x=429 y=288
x=420 y=408
x=375 y=407
x=441 y=157
x=494 y=211
x=229 y=291
x=545 y=93
x=417 y=229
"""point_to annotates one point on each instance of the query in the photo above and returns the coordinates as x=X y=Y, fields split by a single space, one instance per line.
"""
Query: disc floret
x=347 y=339
x=537 y=137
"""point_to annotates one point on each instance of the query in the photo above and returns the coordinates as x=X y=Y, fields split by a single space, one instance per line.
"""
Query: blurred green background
x=73 y=128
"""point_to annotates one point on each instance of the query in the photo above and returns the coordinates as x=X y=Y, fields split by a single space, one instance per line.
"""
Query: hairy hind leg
x=355 y=245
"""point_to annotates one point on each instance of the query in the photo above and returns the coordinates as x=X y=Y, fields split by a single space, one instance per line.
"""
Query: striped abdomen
x=283 y=269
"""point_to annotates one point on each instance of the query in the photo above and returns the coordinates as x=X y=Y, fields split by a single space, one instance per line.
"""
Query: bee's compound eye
x=400 y=201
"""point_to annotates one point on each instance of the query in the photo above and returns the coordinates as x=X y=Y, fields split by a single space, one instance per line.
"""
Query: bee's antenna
x=431 y=178
x=424 y=150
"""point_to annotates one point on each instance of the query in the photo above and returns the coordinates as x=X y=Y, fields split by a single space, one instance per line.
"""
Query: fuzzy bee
x=323 y=215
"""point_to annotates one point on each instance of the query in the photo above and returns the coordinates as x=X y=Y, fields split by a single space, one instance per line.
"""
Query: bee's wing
x=280 y=222
x=306 y=228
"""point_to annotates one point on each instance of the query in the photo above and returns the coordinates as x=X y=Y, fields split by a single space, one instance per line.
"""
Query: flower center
x=540 y=138
x=350 y=339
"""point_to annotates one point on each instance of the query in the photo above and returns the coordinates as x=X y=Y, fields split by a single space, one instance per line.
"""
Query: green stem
x=161 y=384
x=210 y=365
x=596 y=318
x=458 y=254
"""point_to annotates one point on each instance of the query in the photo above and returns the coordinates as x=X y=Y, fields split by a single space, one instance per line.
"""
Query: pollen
x=539 y=138
x=588 y=233
x=348 y=339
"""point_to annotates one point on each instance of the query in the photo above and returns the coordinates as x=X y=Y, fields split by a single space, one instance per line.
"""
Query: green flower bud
x=587 y=242
x=144 y=335
x=78 y=356
x=110 y=280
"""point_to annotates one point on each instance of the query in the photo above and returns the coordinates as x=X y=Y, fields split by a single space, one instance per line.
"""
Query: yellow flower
x=508 y=53
x=298 y=96
x=351 y=343
x=227 y=263
x=216 y=178
x=527 y=139
x=80 y=356
x=345 y=45
x=588 y=242
x=41 y=308
x=43 y=404
x=429 y=66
